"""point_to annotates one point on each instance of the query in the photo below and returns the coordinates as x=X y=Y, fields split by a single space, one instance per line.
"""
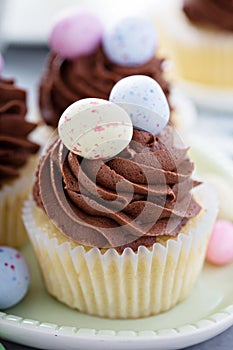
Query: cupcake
x=17 y=161
x=119 y=226
x=86 y=61
x=198 y=37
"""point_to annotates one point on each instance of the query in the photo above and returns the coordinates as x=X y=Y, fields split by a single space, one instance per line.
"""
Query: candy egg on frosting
x=14 y=277
x=220 y=248
x=144 y=100
x=75 y=34
x=95 y=128
x=131 y=42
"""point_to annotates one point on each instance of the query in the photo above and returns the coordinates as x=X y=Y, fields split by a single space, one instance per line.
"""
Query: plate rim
x=223 y=316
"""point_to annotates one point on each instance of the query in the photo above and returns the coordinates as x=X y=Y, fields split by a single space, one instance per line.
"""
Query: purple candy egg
x=75 y=34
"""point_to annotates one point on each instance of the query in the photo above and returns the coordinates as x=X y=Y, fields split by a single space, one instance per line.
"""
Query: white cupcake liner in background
x=12 y=196
x=178 y=31
x=130 y=285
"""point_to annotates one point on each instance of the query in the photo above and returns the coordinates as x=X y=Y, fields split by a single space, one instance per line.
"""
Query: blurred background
x=25 y=27
x=28 y=22
x=24 y=30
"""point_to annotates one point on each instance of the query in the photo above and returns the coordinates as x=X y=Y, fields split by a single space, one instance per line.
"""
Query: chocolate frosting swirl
x=130 y=200
x=218 y=13
x=66 y=81
x=15 y=147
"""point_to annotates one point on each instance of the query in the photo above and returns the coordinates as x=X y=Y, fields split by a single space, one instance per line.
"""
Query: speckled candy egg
x=95 y=128
x=144 y=100
x=75 y=34
x=131 y=42
x=14 y=277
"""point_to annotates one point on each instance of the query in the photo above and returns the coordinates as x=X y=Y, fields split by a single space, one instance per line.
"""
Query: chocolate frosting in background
x=66 y=81
x=127 y=201
x=15 y=148
x=218 y=13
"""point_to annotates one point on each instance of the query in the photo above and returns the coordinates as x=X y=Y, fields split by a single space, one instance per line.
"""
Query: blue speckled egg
x=14 y=277
x=131 y=42
x=144 y=100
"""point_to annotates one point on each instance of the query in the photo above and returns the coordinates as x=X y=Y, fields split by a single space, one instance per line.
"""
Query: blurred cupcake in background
x=198 y=36
x=18 y=160
x=86 y=60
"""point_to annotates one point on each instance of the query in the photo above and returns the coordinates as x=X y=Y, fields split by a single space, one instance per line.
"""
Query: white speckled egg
x=131 y=42
x=14 y=277
x=144 y=100
x=95 y=129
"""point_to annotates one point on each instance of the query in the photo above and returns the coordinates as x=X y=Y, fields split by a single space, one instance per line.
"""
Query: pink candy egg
x=75 y=34
x=1 y=63
x=220 y=248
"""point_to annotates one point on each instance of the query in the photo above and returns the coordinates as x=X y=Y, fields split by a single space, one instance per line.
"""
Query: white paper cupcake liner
x=129 y=285
x=12 y=196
